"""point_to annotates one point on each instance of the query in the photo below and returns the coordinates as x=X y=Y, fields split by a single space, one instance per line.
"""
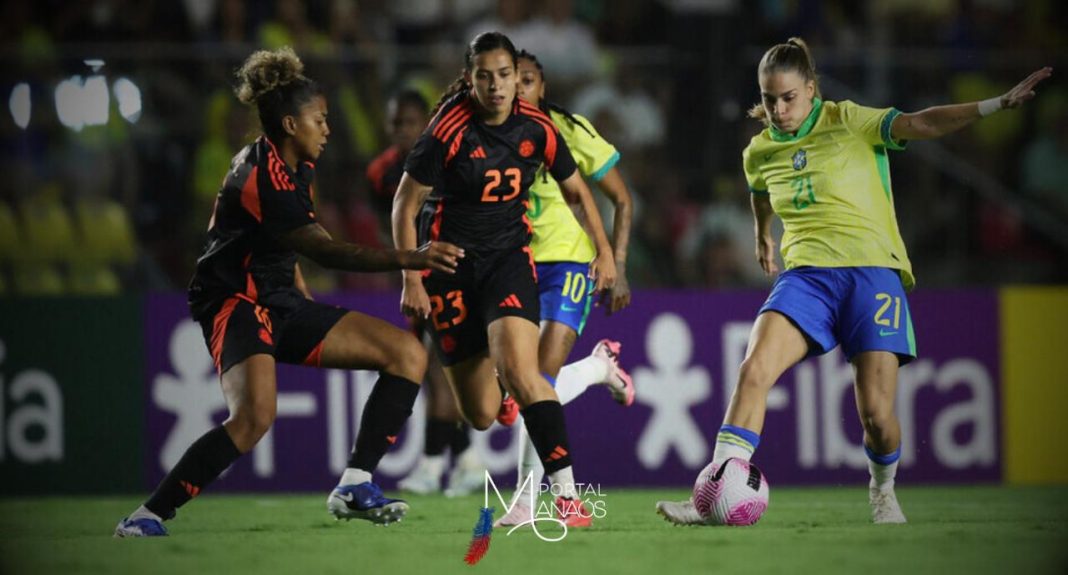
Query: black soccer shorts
x=484 y=288
x=241 y=328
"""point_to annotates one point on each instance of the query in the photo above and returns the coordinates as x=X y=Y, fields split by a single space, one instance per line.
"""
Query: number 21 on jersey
x=490 y=193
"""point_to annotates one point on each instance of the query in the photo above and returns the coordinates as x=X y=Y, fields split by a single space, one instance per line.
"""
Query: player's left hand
x=603 y=271
x=618 y=297
x=1025 y=90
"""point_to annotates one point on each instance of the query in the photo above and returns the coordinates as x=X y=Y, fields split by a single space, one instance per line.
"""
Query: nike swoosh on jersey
x=885 y=333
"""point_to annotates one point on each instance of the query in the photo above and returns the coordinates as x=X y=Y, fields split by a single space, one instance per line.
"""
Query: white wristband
x=987 y=107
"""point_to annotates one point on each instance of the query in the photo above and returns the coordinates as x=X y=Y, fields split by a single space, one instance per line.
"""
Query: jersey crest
x=800 y=159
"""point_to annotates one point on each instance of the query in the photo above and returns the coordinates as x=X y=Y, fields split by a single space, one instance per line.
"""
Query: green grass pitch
x=968 y=530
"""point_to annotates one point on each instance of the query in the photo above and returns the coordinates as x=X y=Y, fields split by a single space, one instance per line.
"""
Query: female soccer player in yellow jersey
x=563 y=252
x=822 y=167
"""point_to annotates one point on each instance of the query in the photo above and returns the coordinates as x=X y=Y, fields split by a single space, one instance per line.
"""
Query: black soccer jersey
x=482 y=174
x=261 y=199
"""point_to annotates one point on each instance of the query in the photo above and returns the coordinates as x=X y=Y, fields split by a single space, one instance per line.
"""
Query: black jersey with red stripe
x=261 y=199
x=482 y=174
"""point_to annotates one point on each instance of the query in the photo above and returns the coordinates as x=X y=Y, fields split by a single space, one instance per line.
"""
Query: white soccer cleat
x=884 y=506
x=425 y=478
x=619 y=381
x=519 y=515
x=680 y=512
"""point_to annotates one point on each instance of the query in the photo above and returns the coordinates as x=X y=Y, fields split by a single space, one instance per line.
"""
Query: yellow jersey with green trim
x=830 y=185
x=558 y=236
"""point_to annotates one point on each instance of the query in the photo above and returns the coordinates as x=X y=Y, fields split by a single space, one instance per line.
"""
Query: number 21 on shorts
x=882 y=313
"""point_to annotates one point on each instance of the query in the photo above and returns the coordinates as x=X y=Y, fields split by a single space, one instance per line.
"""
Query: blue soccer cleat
x=365 y=501
x=143 y=527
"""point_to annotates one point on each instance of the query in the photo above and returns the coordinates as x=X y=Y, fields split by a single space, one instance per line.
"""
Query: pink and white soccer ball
x=734 y=494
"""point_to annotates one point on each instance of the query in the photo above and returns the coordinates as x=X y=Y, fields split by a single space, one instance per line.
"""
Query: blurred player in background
x=822 y=167
x=479 y=156
x=407 y=114
x=249 y=297
x=563 y=252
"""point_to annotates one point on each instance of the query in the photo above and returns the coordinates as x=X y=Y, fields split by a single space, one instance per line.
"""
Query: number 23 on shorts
x=437 y=308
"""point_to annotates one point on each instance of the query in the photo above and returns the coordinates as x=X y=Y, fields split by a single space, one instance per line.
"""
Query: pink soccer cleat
x=519 y=515
x=618 y=381
x=508 y=412
x=572 y=512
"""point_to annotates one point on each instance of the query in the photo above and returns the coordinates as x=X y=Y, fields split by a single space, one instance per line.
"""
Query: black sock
x=438 y=434
x=200 y=465
x=545 y=424
x=461 y=439
x=384 y=415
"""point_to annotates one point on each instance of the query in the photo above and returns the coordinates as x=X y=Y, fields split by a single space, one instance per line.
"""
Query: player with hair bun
x=822 y=167
x=249 y=298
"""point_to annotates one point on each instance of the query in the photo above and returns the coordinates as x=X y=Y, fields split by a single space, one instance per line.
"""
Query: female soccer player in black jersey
x=479 y=156
x=245 y=296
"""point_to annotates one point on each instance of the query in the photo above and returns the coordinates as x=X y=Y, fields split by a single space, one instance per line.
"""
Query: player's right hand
x=414 y=301
x=1025 y=90
x=437 y=256
x=765 y=254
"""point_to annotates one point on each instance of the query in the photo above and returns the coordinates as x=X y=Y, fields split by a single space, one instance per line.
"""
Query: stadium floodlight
x=20 y=105
x=81 y=103
x=128 y=95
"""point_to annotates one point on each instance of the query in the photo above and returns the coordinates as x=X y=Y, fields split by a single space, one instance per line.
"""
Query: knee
x=526 y=386
x=409 y=359
x=481 y=421
x=753 y=376
x=250 y=424
x=876 y=417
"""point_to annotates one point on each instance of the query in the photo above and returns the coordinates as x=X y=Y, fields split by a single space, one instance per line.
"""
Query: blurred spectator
x=1044 y=172
x=508 y=18
x=563 y=43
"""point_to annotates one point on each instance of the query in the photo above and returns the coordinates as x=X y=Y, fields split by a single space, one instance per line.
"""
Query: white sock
x=142 y=512
x=574 y=378
x=565 y=480
x=725 y=451
x=528 y=465
x=882 y=476
x=353 y=476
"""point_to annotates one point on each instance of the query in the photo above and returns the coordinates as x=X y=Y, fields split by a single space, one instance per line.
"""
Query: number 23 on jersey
x=491 y=193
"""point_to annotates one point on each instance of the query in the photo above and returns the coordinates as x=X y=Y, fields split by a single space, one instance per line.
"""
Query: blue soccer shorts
x=566 y=293
x=860 y=308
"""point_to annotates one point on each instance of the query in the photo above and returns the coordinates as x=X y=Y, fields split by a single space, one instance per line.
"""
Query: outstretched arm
x=604 y=267
x=315 y=243
x=938 y=121
x=615 y=189
x=765 y=243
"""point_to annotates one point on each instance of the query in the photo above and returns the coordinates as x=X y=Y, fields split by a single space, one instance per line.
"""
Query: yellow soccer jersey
x=830 y=185
x=558 y=236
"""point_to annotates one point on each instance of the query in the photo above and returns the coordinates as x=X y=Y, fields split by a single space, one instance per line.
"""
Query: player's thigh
x=321 y=335
x=360 y=341
x=554 y=346
x=876 y=382
x=775 y=344
x=514 y=346
x=474 y=381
